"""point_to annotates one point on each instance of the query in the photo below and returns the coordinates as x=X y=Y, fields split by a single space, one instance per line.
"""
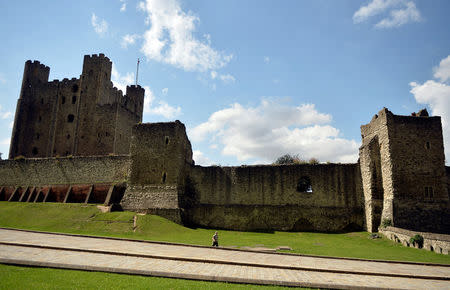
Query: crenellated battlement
x=95 y=57
x=37 y=64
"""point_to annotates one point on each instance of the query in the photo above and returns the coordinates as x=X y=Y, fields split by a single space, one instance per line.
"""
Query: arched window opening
x=63 y=100
x=164 y=177
x=74 y=99
x=34 y=151
x=167 y=140
x=75 y=88
x=304 y=185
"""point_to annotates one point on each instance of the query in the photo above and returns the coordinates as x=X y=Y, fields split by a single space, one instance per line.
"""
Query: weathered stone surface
x=85 y=116
x=403 y=172
x=74 y=170
x=438 y=243
x=266 y=197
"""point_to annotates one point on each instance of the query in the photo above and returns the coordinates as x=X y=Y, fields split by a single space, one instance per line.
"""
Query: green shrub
x=313 y=161
x=417 y=239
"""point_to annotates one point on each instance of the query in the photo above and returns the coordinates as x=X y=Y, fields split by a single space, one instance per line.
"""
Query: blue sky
x=251 y=80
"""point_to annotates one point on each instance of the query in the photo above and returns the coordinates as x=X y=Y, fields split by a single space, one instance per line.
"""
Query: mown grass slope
x=88 y=220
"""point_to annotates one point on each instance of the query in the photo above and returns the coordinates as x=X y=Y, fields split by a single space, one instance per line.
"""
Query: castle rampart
x=321 y=197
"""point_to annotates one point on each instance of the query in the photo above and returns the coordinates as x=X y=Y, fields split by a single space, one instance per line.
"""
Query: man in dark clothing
x=215 y=240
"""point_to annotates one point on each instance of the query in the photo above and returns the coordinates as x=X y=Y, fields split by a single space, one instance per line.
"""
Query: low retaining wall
x=438 y=243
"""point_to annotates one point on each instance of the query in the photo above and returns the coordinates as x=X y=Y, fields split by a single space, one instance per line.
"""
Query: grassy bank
x=80 y=219
x=12 y=277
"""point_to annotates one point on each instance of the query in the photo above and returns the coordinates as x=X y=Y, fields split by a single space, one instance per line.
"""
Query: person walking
x=215 y=240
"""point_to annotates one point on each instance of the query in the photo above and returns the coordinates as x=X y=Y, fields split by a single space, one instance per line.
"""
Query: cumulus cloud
x=266 y=59
x=395 y=13
x=165 y=91
x=171 y=38
x=160 y=108
x=121 y=81
x=442 y=72
x=123 y=8
x=200 y=158
x=129 y=39
x=226 y=78
x=272 y=129
x=100 y=26
x=436 y=95
x=151 y=105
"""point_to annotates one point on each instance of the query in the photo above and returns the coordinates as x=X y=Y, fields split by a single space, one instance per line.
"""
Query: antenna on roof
x=137 y=71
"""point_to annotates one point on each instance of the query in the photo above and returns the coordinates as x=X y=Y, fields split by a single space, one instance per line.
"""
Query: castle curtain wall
x=54 y=171
x=271 y=197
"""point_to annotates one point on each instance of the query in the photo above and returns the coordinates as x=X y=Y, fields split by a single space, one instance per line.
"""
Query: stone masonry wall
x=376 y=170
x=267 y=197
x=54 y=171
x=84 y=116
x=160 y=157
x=438 y=243
x=411 y=188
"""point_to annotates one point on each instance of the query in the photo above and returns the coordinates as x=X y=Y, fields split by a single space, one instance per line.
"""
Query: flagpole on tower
x=137 y=71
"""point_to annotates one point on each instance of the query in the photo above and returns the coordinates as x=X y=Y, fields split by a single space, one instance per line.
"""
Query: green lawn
x=81 y=219
x=13 y=277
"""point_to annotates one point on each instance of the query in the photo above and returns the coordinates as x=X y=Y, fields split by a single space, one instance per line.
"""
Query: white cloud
x=437 y=96
x=200 y=158
x=227 y=78
x=5 y=114
x=121 y=81
x=171 y=38
x=213 y=74
x=272 y=129
x=161 y=108
x=165 y=91
x=129 y=39
x=266 y=59
x=11 y=125
x=396 y=13
x=123 y=8
x=442 y=72
x=100 y=26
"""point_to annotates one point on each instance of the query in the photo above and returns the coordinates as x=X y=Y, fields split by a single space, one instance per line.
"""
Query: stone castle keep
x=81 y=140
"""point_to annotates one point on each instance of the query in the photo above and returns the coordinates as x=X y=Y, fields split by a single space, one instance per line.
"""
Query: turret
x=96 y=77
x=136 y=96
x=34 y=74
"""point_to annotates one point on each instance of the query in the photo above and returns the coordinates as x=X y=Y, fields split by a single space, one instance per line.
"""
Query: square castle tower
x=85 y=116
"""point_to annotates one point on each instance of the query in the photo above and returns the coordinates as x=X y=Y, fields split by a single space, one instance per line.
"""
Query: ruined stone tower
x=85 y=116
x=403 y=172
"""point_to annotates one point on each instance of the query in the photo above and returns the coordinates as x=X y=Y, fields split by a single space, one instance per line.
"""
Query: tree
x=287 y=159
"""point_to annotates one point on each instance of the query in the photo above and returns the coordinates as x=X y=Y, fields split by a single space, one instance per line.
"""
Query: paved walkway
x=193 y=262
